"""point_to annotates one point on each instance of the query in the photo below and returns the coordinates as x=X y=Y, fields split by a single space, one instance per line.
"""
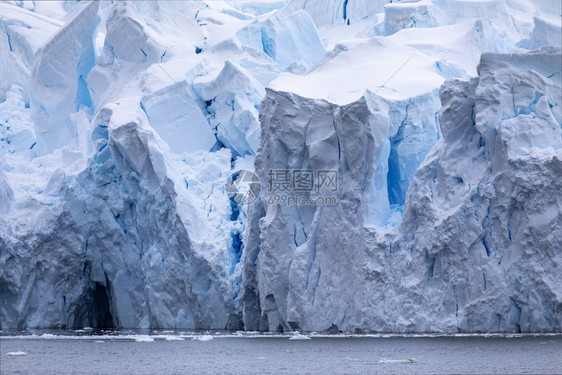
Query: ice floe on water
x=409 y=360
x=299 y=336
x=199 y=336
x=174 y=338
x=144 y=339
x=202 y=338
x=17 y=354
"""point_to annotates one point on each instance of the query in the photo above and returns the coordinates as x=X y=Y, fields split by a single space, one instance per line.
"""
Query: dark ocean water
x=276 y=354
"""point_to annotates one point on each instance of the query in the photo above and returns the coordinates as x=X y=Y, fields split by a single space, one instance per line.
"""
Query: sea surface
x=164 y=352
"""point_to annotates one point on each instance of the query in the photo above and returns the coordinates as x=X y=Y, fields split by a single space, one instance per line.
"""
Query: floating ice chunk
x=299 y=336
x=174 y=338
x=99 y=342
x=144 y=339
x=202 y=338
x=17 y=354
x=409 y=360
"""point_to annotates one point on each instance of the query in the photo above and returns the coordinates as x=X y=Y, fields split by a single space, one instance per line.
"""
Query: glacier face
x=120 y=220
x=477 y=249
x=492 y=189
x=121 y=122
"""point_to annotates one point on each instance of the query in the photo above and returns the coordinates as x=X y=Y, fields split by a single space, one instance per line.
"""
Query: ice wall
x=287 y=288
x=301 y=259
x=492 y=189
x=478 y=240
x=114 y=213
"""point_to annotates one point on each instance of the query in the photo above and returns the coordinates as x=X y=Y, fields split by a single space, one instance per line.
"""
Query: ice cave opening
x=96 y=309
x=100 y=310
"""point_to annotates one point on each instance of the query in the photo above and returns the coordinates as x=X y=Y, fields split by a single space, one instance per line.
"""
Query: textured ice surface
x=337 y=12
x=121 y=122
x=231 y=100
x=58 y=78
x=22 y=33
x=291 y=41
x=505 y=190
x=547 y=32
x=431 y=13
x=402 y=112
x=477 y=247
x=178 y=120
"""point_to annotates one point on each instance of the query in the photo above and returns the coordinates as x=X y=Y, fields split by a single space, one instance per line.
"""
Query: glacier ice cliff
x=121 y=122
x=492 y=190
x=478 y=246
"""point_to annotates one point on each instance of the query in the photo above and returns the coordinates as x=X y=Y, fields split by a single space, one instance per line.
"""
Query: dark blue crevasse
x=432 y=267
x=396 y=193
x=237 y=249
x=345 y=10
x=234 y=210
x=237 y=245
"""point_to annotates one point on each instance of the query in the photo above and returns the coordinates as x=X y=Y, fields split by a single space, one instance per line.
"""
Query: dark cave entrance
x=99 y=313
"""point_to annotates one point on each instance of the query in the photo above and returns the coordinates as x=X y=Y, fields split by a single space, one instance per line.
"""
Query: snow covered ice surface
x=120 y=123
